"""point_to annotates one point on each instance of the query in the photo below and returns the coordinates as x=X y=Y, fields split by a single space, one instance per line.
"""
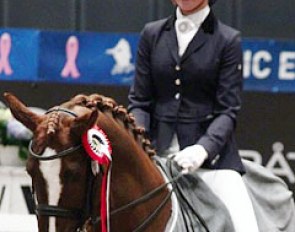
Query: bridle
x=56 y=211
x=59 y=154
x=78 y=214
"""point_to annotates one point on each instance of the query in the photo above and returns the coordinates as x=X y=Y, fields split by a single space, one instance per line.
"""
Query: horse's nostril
x=84 y=102
x=90 y=104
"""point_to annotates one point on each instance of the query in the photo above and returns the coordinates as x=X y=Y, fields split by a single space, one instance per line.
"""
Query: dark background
x=265 y=118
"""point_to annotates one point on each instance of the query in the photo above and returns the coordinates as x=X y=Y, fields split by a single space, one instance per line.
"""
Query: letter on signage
x=258 y=71
x=247 y=56
x=287 y=66
x=279 y=166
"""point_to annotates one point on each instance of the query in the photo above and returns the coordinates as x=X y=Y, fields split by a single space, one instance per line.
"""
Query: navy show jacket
x=197 y=95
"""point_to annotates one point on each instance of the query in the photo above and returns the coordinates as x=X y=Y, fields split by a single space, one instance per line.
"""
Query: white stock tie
x=185 y=30
x=184 y=25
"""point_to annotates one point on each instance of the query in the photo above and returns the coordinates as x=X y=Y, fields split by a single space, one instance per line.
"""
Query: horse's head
x=61 y=169
x=58 y=166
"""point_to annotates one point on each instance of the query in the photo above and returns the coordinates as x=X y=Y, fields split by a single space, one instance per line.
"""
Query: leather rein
x=79 y=214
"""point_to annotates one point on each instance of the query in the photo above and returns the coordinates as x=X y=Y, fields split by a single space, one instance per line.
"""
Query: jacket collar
x=208 y=24
x=198 y=41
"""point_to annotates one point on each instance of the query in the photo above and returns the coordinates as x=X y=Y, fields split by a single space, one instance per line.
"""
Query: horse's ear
x=21 y=112
x=84 y=122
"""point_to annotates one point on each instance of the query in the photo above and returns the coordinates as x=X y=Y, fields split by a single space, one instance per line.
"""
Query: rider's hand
x=191 y=158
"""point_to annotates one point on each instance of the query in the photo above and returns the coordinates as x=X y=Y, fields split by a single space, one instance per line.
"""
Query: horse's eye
x=35 y=148
x=83 y=102
x=70 y=176
x=71 y=172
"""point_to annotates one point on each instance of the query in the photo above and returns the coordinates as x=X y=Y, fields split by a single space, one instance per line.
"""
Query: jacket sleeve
x=140 y=95
x=228 y=99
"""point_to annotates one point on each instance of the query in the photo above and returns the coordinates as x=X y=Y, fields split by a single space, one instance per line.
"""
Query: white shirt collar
x=197 y=18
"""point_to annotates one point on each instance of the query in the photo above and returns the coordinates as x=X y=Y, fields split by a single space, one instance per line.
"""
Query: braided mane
x=52 y=123
x=119 y=112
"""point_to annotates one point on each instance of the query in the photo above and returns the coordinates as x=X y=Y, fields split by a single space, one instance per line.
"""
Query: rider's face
x=190 y=6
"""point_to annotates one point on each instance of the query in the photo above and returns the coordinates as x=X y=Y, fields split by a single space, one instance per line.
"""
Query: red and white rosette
x=98 y=147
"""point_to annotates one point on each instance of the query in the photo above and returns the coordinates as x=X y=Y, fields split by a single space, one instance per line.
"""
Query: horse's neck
x=130 y=161
x=133 y=175
x=132 y=166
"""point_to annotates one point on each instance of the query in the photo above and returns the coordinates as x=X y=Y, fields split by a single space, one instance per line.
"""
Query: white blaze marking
x=51 y=170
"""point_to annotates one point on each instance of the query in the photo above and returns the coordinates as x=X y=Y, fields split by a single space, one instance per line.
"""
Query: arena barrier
x=16 y=201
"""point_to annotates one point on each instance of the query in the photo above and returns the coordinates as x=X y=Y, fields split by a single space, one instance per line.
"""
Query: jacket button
x=177 y=68
x=177 y=81
x=177 y=96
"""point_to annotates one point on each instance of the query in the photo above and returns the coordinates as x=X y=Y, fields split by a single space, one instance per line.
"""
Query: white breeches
x=228 y=185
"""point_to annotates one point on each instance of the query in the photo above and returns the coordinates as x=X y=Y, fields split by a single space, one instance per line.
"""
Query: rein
x=142 y=199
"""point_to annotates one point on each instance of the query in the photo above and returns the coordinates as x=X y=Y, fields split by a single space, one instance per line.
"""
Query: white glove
x=191 y=158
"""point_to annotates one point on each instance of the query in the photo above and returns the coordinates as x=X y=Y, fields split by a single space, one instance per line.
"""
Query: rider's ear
x=84 y=122
x=21 y=112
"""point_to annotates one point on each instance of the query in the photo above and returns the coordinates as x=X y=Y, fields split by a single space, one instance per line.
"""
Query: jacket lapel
x=201 y=37
x=198 y=41
x=171 y=39
x=172 y=44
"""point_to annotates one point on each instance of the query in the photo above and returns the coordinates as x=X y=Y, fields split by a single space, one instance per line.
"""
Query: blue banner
x=269 y=65
x=104 y=58
x=19 y=54
x=109 y=58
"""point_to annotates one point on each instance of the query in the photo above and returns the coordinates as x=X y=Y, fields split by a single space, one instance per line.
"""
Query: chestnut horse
x=93 y=170
x=67 y=189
